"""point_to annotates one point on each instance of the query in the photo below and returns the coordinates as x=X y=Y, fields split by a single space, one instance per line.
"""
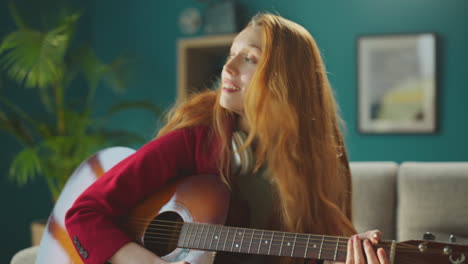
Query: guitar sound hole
x=162 y=233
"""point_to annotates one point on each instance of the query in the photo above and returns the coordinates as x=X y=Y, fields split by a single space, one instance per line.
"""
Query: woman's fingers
x=357 y=248
x=350 y=253
x=374 y=236
x=361 y=251
x=382 y=255
x=370 y=254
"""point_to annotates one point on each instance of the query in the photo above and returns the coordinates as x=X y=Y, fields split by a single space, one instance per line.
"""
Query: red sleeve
x=91 y=220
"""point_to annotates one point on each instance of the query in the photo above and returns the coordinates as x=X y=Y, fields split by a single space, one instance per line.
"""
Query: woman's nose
x=231 y=67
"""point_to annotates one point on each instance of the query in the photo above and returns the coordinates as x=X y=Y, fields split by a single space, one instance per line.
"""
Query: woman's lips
x=230 y=86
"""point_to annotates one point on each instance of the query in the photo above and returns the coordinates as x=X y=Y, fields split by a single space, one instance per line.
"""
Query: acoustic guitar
x=184 y=221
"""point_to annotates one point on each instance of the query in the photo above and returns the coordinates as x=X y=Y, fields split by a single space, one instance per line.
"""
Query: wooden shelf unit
x=199 y=62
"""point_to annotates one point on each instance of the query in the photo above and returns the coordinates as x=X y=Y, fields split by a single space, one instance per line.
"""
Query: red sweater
x=91 y=220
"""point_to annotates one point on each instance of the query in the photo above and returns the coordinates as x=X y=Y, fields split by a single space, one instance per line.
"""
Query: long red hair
x=302 y=145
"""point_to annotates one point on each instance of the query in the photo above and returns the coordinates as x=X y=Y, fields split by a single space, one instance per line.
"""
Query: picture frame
x=396 y=83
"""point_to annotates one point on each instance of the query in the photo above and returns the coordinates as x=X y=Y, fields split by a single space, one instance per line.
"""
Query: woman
x=273 y=89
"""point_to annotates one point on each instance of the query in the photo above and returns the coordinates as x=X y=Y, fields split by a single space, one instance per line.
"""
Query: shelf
x=199 y=62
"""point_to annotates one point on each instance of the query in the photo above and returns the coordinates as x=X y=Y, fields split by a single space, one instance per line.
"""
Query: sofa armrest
x=25 y=256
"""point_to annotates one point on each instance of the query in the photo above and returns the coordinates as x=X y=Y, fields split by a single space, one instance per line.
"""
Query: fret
x=234 y=239
x=251 y=239
x=266 y=241
x=199 y=238
x=212 y=236
x=182 y=237
x=185 y=229
x=294 y=244
x=218 y=238
x=321 y=247
x=242 y=239
x=288 y=241
x=275 y=247
x=329 y=248
x=194 y=236
x=260 y=242
x=301 y=244
x=271 y=242
x=225 y=240
x=341 y=254
x=282 y=241
x=307 y=246
x=188 y=235
x=238 y=239
x=336 y=249
x=206 y=236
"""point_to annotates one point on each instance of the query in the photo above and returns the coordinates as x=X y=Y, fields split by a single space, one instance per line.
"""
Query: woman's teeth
x=230 y=87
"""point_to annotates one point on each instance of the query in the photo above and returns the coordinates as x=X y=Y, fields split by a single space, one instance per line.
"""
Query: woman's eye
x=250 y=60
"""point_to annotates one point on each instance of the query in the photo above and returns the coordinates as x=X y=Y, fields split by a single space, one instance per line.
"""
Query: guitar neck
x=264 y=242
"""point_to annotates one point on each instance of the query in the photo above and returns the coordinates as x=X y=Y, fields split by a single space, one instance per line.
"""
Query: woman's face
x=239 y=68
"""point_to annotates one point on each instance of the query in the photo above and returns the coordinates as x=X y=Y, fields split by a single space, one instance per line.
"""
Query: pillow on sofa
x=374 y=196
x=433 y=197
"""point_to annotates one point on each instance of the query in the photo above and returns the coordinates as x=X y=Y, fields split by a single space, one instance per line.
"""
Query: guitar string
x=333 y=242
x=325 y=250
x=303 y=245
x=333 y=246
x=315 y=239
x=146 y=220
x=399 y=245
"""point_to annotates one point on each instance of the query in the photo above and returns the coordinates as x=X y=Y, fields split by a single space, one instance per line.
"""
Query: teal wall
x=147 y=31
x=22 y=205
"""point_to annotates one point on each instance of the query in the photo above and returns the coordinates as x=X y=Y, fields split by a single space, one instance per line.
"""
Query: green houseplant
x=67 y=133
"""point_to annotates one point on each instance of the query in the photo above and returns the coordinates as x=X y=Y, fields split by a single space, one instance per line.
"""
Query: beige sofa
x=403 y=201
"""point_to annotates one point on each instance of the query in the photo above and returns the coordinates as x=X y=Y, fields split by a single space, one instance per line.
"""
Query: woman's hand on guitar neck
x=134 y=253
x=360 y=250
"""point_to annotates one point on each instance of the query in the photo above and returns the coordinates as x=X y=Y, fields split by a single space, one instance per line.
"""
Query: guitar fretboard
x=264 y=242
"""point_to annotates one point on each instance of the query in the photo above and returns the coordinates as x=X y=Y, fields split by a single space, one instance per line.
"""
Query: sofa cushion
x=374 y=196
x=433 y=197
x=25 y=256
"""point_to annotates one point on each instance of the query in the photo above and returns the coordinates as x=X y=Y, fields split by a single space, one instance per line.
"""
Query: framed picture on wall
x=396 y=83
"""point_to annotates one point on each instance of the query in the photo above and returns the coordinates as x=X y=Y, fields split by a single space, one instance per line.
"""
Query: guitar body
x=200 y=198
x=195 y=199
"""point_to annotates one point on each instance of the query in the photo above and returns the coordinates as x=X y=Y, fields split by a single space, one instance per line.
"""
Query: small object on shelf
x=190 y=21
x=221 y=18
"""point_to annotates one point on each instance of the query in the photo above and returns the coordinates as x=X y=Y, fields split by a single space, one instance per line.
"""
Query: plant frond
x=19 y=21
x=16 y=128
x=35 y=59
x=116 y=74
x=21 y=123
x=26 y=165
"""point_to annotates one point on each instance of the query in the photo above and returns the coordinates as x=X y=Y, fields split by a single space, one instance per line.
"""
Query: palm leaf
x=94 y=70
x=16 y=128
x=116 y=74
x=16 y=17
x=88 y=63
x=19 y=114
x=25 y=166
x=34 y=58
